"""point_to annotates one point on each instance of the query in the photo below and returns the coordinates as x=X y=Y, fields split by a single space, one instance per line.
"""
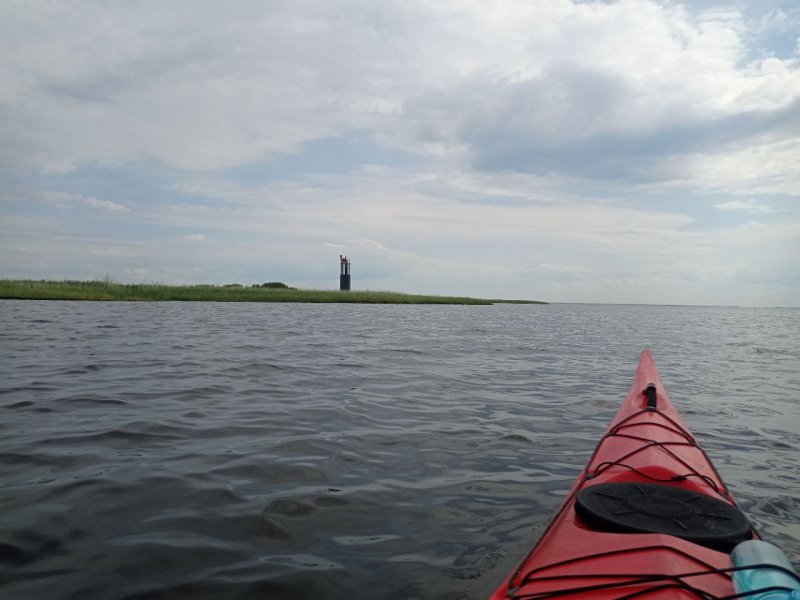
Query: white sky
x=628 y=151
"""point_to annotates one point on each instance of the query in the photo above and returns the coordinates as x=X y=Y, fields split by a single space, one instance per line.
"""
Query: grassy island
x=268 y=292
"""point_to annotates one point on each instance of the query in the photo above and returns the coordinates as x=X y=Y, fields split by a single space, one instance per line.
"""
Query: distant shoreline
x=154 y=292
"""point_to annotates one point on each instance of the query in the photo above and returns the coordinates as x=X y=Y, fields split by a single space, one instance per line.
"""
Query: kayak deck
x=660 y=524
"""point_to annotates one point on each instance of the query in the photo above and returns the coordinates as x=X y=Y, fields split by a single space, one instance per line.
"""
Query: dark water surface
x=225 y=451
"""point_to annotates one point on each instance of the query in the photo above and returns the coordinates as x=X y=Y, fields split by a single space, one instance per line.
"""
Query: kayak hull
x=673 y=548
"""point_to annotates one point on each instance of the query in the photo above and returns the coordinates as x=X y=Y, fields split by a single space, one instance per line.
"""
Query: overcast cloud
x=628 y=151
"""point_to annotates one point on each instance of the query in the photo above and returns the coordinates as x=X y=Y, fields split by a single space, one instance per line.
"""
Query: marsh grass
x=153 y=292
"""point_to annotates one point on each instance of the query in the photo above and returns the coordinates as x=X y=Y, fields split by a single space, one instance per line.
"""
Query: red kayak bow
x=649 y=517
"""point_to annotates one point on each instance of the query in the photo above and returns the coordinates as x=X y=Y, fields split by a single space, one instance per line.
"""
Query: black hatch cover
x=654 y=508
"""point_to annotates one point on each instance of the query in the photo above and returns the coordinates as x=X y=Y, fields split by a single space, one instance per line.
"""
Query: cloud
x=594 y=108
x=195 y=237
x=228 y=87
x=581 y=88
x=370 y=245
x=67 y=200
x=750 y=206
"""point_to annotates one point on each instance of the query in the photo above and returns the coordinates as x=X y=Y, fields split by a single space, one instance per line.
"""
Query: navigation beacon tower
x=344 y=274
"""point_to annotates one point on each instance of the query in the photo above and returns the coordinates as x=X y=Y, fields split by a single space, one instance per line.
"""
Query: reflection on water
x=181 y=450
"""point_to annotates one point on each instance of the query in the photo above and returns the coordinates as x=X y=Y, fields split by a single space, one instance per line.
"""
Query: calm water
x=205 y=451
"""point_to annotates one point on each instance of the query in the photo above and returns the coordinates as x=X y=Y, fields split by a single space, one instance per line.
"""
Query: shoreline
x=104 y=291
